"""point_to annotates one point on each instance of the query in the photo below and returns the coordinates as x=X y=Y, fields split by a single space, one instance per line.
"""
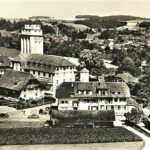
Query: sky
x=68 y=9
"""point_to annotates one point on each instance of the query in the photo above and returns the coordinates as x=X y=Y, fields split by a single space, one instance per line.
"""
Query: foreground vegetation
x=23 y=136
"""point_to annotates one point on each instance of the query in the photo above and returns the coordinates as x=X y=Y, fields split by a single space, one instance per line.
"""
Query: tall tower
x=31 y=40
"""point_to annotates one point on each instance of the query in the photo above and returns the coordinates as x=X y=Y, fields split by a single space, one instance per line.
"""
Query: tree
x=92 y=60
x=128 y=65
x=107 y=34
x=144 y=83
x=135 y=116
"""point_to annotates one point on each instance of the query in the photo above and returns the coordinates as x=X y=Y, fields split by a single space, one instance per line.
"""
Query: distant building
x=5 y=63
x=20 y=85
x=32 y=40
x=144 y=66
x=94 y=96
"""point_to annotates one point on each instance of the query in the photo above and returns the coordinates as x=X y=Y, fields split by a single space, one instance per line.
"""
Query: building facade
x=21 y=85
x=49 y=69
x=94 y=96
x=31 y=40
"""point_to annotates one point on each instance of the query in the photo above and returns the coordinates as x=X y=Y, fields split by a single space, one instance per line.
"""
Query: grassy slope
x=9 y=52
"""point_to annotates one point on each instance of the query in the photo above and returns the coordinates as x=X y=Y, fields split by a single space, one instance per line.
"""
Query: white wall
x=32 y=94
x=63 y=75
x=36 y=45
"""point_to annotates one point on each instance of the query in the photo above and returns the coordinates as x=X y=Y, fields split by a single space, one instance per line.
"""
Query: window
x=116 y=99
x=49 y=75
x=118 y=92
x=124 y=107
x=62 y=102
x=112 y=107
x=56 y=81
x=122 y=100
x=33 y=72
x=103 y=92
x=44 y=74
x=66 y=102
x=36 y=94
x=38 y=72
x=102 y=107
x=119 y=108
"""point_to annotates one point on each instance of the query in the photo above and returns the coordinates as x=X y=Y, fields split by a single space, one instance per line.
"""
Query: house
x=100 y=95
x=21 y=85
x=49 y=69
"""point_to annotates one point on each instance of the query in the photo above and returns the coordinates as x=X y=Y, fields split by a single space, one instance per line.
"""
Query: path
x=144 y=137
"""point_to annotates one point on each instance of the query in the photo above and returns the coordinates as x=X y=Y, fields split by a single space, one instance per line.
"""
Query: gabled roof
x=15 y=80
x=84 y=70
x=70 y=89
x=127 y=77
x=52 y=60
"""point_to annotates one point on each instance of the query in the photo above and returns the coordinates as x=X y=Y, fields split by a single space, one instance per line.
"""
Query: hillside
x=117 y=17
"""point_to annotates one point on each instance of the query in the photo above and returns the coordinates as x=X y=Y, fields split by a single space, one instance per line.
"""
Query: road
x=98 y=146
x=144 y=137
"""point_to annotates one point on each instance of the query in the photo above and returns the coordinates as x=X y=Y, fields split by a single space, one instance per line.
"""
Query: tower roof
x=84 y=70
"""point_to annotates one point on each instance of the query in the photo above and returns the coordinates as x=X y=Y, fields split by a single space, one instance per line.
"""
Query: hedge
x=78 y=116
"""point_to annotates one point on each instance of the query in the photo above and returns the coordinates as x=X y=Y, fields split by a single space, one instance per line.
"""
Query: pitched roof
x=127 y=77
x=43 y=59
x=14 y=80
x=70 y=89
x=84 y=70
x=9 y=52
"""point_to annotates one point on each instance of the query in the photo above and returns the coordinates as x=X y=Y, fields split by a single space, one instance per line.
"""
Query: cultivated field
x=46 y=135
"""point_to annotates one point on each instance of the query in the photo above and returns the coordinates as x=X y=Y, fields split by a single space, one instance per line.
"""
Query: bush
x=146 y=123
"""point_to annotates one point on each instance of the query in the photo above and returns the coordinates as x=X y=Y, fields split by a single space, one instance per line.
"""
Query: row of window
x=64 y=102
x=106 y=101
x=41 y=73
x=100 y=92
x=113 y=107
x=64 y=68
x=64 y=73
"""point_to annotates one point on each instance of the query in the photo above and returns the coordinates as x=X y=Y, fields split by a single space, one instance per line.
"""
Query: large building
x=49 y=69
x=102 y=95
x=32 y=40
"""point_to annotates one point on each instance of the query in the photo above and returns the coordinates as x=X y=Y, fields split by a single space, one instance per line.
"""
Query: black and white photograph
x=74 y=74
